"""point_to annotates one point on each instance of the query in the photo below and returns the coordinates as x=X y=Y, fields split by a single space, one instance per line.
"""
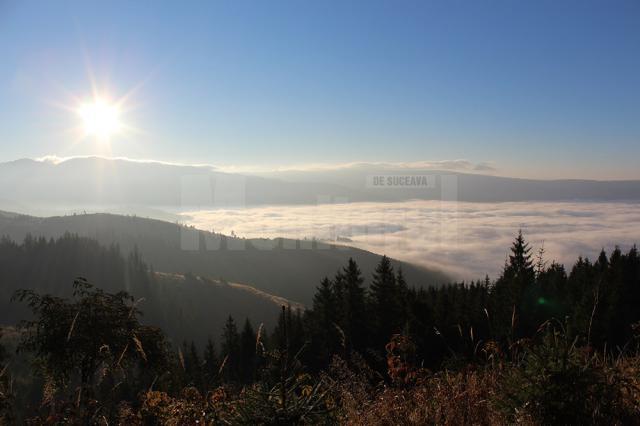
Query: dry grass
x=443 y=399
x=481 y=395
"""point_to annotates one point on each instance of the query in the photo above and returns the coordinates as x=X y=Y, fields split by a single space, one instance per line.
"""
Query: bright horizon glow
x=100 y=118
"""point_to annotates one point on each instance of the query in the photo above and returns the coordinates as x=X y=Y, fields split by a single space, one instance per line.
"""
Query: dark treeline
x=438 y=329
x=179 y=304
x=49 y=266
x=597 y=302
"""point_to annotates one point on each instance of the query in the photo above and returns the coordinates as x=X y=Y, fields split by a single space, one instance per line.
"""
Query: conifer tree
x=514 y=297
x=354 y=307
x=321 y=325
x=230 y=350
x=324 y=302
x=520 y=262
x=211 y=364
x=339 y=295
x=403 y=291
x=194 y=367
x=247 y=353
x=385 y=303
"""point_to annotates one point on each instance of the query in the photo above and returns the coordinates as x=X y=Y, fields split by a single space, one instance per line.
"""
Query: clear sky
x=536 y=88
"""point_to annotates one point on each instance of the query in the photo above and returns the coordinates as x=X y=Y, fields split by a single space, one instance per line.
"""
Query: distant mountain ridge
x=96 y=181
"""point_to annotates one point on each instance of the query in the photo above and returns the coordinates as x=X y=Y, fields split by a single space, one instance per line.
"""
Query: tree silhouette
x=211 y=364
x=92 y=338
x=354 y=307
x=385 y=301
x=230 y=350
x=247 y=353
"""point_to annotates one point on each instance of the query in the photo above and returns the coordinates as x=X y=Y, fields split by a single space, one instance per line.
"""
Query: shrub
x=555 y=382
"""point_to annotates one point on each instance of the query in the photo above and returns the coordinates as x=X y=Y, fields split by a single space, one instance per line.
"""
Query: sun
x=100 y=118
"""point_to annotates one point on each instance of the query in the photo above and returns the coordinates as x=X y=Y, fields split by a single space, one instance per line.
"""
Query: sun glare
x=100 y=118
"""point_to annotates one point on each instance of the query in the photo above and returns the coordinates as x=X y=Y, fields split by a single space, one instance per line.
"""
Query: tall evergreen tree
x=321 y=325
x=520 y=262
x=403 y=291
x=354 y=307
x=514 y=293
x=211 y=365
x=324 y=302
x=194 y=367
x=247 y=353
x=385 y=303
x=230 y=350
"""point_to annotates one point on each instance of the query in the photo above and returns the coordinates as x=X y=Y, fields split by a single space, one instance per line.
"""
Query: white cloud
x=54 y=159
x=467 y=240
x=453 y=165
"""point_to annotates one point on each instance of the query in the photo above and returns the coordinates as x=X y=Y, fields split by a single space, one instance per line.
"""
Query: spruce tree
x=211 y=364
x=354 y=307
x=513 y=301
x=385 y=304
x=340 y=297
x=403 y=292
x=324 y=303
x=520 y=262
x=321 y=325
x=230 y=350
x=247 y=352
x=194 y=367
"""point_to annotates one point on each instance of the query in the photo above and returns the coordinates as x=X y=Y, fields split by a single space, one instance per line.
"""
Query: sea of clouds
x=467 y=240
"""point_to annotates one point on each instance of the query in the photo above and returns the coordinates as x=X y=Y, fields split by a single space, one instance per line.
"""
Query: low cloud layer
x=452 y=165
x=467 y=240
x=458 y=164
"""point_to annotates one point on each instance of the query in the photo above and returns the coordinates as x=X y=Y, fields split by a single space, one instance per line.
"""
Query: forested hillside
x=180 y=304
x=541 y=344
x=595 y=302
x=282 y=267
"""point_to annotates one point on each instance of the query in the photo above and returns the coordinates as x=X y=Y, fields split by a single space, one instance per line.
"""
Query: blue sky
x=538 y=89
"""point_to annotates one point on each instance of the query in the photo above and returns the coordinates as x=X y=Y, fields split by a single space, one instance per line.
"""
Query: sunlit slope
x=195 y=308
